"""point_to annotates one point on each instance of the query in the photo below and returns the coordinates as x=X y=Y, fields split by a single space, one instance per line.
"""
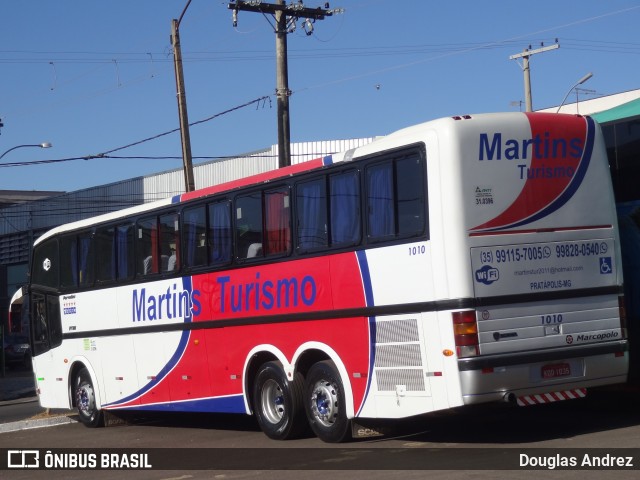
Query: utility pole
x=525 y=68
x=189 y=183
x=282 y=89
x=285 y=17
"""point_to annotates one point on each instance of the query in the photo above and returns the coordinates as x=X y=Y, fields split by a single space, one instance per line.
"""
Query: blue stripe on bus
x=366 y=277
x=230 y=404
x=328 y=160
x=176 y=198
x=368 y=291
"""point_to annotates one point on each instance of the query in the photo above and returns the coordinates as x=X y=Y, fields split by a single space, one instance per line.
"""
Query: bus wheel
x=85 y=398
x=325 y=404
x=278 y=402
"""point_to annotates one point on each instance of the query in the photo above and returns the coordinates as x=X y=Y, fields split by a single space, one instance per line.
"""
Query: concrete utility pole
x=527 y=74
x=189 y=183
x=282 y=89
x=286 y=17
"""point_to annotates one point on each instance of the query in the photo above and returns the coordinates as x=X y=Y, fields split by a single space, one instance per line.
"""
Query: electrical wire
x=139 y=142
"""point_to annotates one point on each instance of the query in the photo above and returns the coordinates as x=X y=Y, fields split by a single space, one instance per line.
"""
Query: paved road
x=489 y=437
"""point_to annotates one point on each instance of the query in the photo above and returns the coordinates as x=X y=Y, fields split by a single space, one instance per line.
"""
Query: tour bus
x=464 y=260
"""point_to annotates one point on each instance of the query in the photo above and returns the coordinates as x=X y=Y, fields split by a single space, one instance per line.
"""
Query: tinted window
x=311 y=214
x=277 y=221
x=395 y=199
x=147 y=246
x=106 y=254
x=86 y=260
x=219 y=235
x=69 y=262
x=125 y=252
x=249 y=225
x=169 y=243
x=344 y=198
x=195 y=236
x=411 y=205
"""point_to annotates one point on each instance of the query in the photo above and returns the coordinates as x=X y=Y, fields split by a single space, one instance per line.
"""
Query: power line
x=139 y=142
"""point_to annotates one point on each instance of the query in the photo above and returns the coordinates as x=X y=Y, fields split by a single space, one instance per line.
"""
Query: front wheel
x=278 y=402
x=325 y=404
x=85 y=399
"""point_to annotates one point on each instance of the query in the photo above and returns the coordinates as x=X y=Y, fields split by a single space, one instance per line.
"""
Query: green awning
x=626 y=110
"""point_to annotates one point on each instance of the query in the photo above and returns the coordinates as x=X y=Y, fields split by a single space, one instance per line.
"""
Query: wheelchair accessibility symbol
x=605 y=265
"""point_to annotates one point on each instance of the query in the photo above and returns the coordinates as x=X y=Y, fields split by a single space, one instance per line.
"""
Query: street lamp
x=580 y=82
x=41 y=145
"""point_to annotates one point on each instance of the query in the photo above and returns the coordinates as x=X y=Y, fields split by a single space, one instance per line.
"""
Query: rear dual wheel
x=278 y=402
x=280 y=405
x=324 y=403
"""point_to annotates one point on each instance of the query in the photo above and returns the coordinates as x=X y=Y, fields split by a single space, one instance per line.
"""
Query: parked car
x=17 y=350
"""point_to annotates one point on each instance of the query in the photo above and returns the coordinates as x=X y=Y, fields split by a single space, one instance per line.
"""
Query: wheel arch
x=313 y=352
x=305 y=356
x=259 y=355
x=78 y=364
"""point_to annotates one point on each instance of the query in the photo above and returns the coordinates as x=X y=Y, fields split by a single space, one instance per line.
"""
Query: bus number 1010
x=417 y=250
x=551 y=319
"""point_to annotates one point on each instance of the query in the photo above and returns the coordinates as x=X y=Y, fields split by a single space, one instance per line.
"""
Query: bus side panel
x=241 y=297
x=411 y=374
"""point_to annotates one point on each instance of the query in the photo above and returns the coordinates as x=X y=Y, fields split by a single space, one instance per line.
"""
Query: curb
x=37 y=423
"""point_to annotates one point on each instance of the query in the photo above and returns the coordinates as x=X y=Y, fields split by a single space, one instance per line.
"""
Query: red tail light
x=465 y=330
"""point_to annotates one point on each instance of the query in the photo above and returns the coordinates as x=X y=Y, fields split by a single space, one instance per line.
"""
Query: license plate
x=556 y=370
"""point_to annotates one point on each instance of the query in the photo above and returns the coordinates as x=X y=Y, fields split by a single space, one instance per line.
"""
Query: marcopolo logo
x=487 y=275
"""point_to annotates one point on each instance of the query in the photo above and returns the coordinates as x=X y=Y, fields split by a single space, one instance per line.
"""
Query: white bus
x=464 y=260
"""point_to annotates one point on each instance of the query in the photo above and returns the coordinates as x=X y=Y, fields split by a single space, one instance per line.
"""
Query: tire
x=325 y=403
x=84 y=395
x=277 y=403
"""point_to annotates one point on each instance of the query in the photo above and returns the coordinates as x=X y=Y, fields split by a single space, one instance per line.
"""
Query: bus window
x=106 y=254
x=411 y=196
x=69 y=262
x=147 y=246
x=46 y=264
x=380 y=201
x=395 y=199
x=220 y=233
x=249 y=225
x=86 y=260
x=195 y=236
x=344 y=198
x=277 y=221
x=169 y=242
x=124 y=252
x=311 y=214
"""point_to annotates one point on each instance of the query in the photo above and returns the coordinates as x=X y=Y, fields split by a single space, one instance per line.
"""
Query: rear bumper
x=499 y=377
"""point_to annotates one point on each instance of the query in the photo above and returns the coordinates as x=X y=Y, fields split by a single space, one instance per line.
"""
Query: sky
x=96 y=79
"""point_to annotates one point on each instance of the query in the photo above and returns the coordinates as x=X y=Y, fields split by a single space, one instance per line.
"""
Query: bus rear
x=541 y=252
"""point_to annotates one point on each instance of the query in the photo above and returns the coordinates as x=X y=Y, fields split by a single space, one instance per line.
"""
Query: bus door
x=46 y=333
